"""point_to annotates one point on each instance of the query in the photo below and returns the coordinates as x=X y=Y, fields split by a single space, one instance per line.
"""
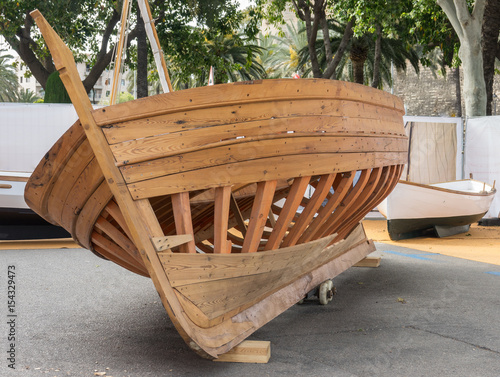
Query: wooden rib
x=341 y=186
x=221 y=218
x=330 y=226
x=260 y=209
x=237 y=215
x=112 y=251
x=113 y=209
x=119 y=238
x=324 y=185
x=357 y=206
x=288 y=211
x=183 y=221
x=378 y=192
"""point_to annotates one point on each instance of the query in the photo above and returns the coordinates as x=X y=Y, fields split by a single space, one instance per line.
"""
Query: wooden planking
x=271 y=306
x=260 y=210
x=218 y=297
x=47 y=172
x=221 y=218
x=183 y=269
x=68 y=176
x=263 y=169
x=228 y=122
x=143 y=149
x=183 y=221
x=314 y=203
x=248 y=351
x=244 y=93
x=247 y=149
x=88 y=181
x=288 y=211
x=91 y=210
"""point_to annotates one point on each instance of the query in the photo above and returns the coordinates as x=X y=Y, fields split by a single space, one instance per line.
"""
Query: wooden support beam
x=238 y=216
x=183 y=221
x=221 y=218
x=168 y=242
x=368 y=262
x=248 y=351
x=260 y=210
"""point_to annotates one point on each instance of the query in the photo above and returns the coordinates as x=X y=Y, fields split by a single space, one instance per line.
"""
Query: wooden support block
x=248 y=351
x=168 y=242
x=368 y=262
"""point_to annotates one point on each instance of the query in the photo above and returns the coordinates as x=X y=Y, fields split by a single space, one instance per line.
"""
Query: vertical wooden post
x=260 y=210
x=221 y=217
x=183 y=221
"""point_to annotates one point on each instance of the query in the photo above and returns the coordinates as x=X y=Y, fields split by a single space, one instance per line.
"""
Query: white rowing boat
x=447 y=208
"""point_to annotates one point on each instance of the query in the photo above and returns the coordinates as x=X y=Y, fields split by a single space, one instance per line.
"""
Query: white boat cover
x=482 y=154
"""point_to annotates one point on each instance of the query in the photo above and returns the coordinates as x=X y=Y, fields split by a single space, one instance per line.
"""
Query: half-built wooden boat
x=446 y=208
x=236 y=199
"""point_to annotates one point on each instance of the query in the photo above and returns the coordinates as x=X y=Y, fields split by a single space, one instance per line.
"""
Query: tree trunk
x=346 y=38
x=490 y=31
x=474 y=86
x=458 y=93
x=468 y=28
x=142 y=58
x=358 y=55
x=377 y=58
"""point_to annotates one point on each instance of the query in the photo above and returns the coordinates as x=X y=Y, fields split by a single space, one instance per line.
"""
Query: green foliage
x=8 y=79
x=55 y=92
x=27 y=96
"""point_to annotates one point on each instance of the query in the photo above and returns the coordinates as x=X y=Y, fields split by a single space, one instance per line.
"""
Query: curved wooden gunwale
x=154 y=183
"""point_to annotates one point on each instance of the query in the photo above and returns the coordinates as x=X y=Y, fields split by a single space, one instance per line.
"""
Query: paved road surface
x=418 y=314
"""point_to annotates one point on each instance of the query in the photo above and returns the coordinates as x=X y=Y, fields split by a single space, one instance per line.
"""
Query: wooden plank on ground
x=248 y=351
x=368 y=262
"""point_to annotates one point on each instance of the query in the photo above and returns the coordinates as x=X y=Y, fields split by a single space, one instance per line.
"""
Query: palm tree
x=232 y=59
x=281 y=55
x=358 y=63
x=27 y=96
x=8 y=79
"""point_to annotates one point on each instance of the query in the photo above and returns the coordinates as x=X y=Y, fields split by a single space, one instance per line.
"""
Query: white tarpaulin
x=482 y=154
x=435 y=150
x=28 y=131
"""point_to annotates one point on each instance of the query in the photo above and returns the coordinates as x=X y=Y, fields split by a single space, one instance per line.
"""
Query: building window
x=108 y=93
x=27 y=79
x=21 y=79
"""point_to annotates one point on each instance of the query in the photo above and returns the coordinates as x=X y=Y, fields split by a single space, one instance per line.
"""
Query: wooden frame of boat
x=447 y=208
x=204 y=191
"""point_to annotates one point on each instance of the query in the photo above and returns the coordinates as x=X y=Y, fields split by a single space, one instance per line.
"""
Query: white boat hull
x=448 y=208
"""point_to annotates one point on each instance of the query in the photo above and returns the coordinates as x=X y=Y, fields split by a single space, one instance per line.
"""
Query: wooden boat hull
x=234 y=199
x=447 y=208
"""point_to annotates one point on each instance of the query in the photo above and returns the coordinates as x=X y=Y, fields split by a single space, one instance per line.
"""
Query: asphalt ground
x=418 y=314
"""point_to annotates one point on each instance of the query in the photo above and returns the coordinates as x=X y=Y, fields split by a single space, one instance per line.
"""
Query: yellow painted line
x=480 y=244
x=61 y=243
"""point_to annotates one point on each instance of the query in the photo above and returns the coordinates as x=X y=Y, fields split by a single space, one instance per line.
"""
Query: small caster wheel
x=326 y=292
